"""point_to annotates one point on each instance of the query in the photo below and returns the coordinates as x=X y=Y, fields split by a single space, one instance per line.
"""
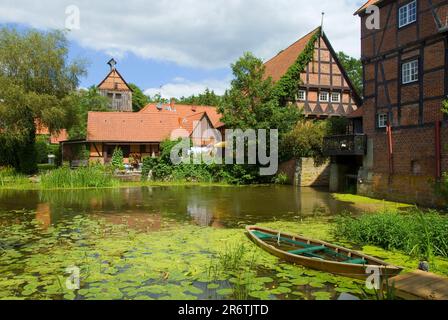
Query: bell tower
x=116 y=89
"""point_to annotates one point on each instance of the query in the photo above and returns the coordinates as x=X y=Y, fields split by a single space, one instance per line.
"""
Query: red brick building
x=405 y=81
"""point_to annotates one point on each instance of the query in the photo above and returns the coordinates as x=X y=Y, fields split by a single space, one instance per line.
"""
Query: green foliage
x=42 y=149
x=26 y=150
x=445 y=107
x=9 y=177
x=46 y=167
x=35 y=83
x=251 y=103
x=422 y=234
x=288 y=85
x=83 y=102
x=139 y=99
x=336 y=126
x=162 y=169
x=117 y=158
x=305 y=140
x=88 y=177
x=281 y=178
x=208 y=98
x=353 y=67
x=443 y=187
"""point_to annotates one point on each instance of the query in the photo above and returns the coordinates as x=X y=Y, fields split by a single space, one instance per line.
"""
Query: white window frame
x=325 y=99
x=382 y=119
x=335 y=94
x=407 y=14
x=301 y=92
x=409 y=71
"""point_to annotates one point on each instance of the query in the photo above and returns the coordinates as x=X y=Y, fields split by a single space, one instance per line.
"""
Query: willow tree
x=36 y=80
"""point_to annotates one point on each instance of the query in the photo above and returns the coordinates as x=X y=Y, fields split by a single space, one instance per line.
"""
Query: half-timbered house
x=405 y=81
x=325 y=88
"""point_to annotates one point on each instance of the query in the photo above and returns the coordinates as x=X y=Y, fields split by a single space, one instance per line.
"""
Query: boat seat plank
x=263 y=236
x=356 y=261
x=308 y=250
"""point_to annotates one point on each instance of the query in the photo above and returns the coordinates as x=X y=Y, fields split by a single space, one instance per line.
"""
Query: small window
x=409 y=72
x=301 y=95
x=335 y=97
x=382 y=120
x=118 y=96
x=323 y=97
x=407 y=14
x=110 y=95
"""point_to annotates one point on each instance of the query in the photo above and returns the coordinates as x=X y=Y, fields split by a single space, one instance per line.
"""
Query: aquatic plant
x=418 y=233
x=88 y=177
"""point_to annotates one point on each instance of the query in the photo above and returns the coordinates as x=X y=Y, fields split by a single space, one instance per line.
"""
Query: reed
x=418 y=233
x=88 y=177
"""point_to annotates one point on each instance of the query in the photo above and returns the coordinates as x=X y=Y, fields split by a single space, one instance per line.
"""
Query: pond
x=162 y=243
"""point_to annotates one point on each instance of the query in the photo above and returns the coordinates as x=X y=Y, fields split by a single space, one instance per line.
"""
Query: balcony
x=345 y=145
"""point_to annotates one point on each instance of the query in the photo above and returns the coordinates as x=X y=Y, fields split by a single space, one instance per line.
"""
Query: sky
x=180 y=47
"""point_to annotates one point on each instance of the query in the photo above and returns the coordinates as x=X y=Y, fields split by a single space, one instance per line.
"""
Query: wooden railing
x=345 y=145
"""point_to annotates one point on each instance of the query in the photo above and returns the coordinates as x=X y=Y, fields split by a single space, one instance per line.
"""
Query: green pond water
x=164 y=243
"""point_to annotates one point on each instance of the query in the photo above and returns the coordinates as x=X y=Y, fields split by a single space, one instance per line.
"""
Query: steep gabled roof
x=366 y=5
x=111 y=78
x=279 y=65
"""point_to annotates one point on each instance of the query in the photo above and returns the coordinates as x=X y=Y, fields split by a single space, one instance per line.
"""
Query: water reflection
x=147 y=208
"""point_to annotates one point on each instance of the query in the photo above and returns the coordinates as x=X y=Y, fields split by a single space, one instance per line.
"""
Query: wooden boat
x=320 y=255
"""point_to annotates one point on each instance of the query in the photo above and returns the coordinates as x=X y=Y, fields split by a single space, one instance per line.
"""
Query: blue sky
x=180 y=47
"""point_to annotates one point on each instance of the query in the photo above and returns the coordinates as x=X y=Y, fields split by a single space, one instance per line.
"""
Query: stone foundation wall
x=304 y=173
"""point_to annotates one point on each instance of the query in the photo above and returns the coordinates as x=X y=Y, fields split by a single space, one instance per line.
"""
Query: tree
x=353 y=67
x=139 y=99
x=35 y=84
x=83 y=102
x=251 y=103
x=305 y=140
x=207 y=98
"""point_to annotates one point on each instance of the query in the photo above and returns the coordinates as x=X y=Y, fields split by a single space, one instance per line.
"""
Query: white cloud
x=180 y=87
x=197 y=33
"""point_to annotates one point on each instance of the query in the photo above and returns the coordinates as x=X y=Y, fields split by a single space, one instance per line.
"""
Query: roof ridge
x=294 y=43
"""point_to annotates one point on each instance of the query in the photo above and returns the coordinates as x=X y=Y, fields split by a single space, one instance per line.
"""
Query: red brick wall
x=414 y=107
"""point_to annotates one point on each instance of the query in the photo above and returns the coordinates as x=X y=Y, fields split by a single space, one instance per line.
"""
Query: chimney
x=172 y=103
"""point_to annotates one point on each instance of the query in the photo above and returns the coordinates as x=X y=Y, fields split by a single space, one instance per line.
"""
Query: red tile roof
x=279 y=65
x=186 y=110
x=366 y=5
x=148 y=125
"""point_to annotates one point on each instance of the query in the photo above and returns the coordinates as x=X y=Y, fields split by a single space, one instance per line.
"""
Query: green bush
x=281 y=178
x=417 y=233
x=162 y=169
x=42 y=151
x=88 y=177
x=117 y=158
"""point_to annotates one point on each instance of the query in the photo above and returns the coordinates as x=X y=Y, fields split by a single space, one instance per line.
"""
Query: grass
x=9 y=177
x=89 y=177
x=368 y=201
x=417 y=233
